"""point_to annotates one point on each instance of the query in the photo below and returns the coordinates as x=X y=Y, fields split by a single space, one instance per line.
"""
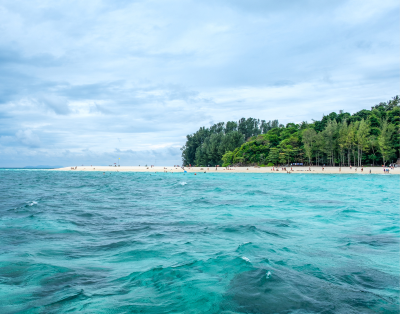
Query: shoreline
x=295 y=169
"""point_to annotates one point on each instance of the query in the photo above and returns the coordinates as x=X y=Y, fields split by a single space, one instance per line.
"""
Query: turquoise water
x=210 y=243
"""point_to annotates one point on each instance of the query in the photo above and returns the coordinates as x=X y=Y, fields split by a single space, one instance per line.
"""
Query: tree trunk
x=348 y=157
x=373 y=159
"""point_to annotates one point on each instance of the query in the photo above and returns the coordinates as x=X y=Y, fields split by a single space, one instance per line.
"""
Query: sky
x=88 y=82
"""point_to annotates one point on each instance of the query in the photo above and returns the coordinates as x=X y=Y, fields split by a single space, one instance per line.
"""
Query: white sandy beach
x=294 y=169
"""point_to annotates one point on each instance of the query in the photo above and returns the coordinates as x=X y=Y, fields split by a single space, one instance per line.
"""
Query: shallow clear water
x=210 y=243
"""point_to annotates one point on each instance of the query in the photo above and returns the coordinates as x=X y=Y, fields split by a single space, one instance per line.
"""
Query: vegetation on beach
x=366 y=137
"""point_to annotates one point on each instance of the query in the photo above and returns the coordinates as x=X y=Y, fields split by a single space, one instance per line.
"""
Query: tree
x=384 y=141
x=309 y=138
x=342 y=139
x=362 y=139
x=231 y=126
x=249 y=127
x=374 y=146
x=329 y=135
x=318 y=144
x=349 y=142
x=336 y=138
x=227 y=159
x=273 y=155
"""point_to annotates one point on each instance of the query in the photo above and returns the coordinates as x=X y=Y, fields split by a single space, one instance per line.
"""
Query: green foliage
x=366 y=137
x=208 y=145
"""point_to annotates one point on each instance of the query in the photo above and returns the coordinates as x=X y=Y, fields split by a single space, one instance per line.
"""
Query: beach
x=292 y=170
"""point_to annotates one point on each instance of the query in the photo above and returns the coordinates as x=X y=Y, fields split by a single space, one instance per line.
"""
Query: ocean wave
x=141 y=243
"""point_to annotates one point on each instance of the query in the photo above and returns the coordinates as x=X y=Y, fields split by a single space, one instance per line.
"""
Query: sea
x=126 y=242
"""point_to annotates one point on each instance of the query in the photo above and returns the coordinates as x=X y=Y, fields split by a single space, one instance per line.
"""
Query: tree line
x=366 y=137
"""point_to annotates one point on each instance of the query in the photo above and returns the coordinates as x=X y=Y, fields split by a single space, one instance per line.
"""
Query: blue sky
x=87 y=82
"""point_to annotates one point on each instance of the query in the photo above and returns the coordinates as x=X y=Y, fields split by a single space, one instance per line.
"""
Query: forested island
x=367 y=137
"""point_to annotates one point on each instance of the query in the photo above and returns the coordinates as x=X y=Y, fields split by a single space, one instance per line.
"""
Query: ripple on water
x=162 y=243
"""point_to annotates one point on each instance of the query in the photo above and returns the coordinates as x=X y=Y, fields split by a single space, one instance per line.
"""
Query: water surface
x=210 y=243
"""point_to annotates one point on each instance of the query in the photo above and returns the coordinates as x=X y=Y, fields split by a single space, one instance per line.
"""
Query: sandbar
x=292 y=170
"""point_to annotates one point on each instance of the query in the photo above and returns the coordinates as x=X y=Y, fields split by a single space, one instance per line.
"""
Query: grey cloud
x=57 y=104
x=87 y=77
x=25 y=137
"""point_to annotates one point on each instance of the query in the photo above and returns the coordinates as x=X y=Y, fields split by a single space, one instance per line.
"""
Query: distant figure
x=369 y=170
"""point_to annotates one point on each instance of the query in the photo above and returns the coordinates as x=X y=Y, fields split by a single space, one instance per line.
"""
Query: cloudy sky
x=87 y=82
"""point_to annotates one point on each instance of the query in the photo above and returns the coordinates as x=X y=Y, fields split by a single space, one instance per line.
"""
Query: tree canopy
x=365 y=137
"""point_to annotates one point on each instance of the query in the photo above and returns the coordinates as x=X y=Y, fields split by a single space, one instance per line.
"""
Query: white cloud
x=28 y=138
x=89 y=77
